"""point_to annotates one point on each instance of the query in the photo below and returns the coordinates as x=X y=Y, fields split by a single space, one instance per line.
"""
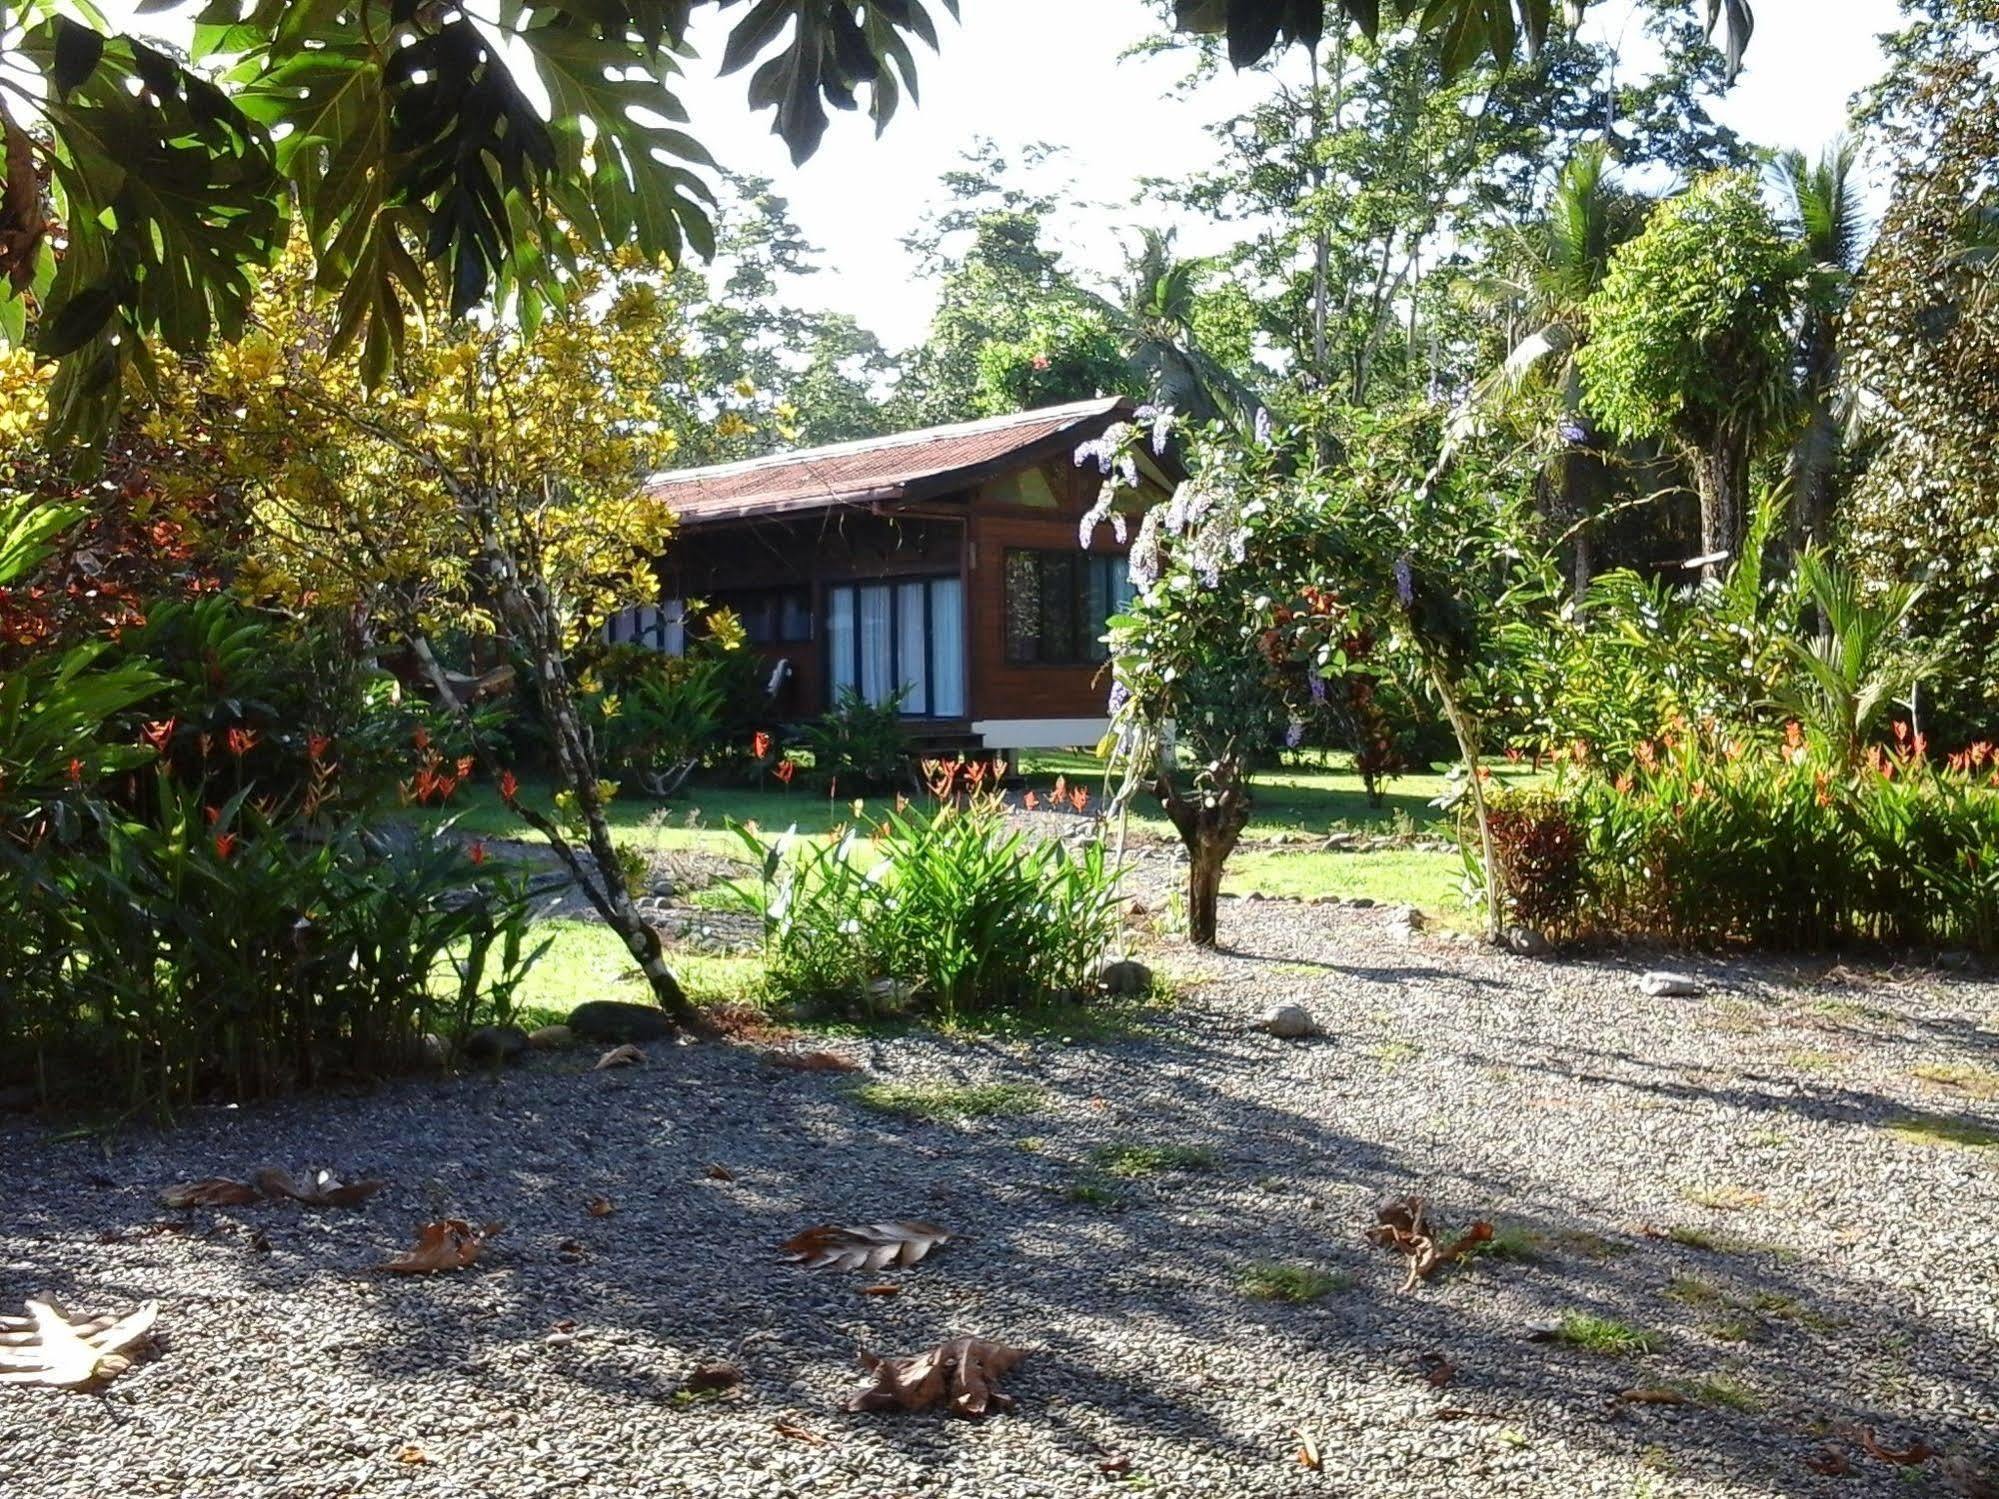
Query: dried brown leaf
x=712 y=1377
x=798 y=1433
x=1403 y=1225
x=870 y=1246
x=963 y=1372
x=448 y=1244
x=1901 y=1457
x=23 y=224
x=619 y=1056
x=1437 y=1371
x=719 y=1173
x=1830 y=1461
x=881 y=1290
x=812 y=1061
x=326 y=1191
x=600 y=1207
x=1659 y=1396
x=52 y=1349
x=209 y=1192
x=1116 y=1466
x=413 y=1455
x=1308 y=1449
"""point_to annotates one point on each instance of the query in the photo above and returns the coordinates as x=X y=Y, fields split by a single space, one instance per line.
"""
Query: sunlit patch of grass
x=1736 y=1329
x=1769 y=1139
x=944 y=1101
x=1813 y=1061
x=1723 y=1198
x=1605 y=1335
x=1976 y=1082
x=1094 y=1192
x=1134 y=1161
x=1943 y=1131
x=1295 y=1283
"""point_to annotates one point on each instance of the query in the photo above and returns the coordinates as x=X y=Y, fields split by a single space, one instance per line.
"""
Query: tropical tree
x=1845 y=678
x=1827 y=212
x=492 y=487
x=1691 y=342
x=1158 y=316
x=1549 y=273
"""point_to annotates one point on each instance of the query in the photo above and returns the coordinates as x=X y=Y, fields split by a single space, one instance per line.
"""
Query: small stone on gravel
x=1662 y=985
x=1288 y=1022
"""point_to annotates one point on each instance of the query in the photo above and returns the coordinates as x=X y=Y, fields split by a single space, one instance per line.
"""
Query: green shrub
x=951 y=908
x=860 y=745
x=1708 y=845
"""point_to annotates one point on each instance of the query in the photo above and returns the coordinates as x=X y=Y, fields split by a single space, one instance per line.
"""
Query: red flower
x=213 y=814
x=509 y=786
x=159 y=735
x=784 y=770
x=464 y=767
x=242 y=741
x=225 y=845
x=421 y=737
x=1080 y=798
x=1030 y=801
x=317 y=746
x=1041 y=361
x=75 y=771
x=1061 y=788
x=760 y=745
x=477 y=852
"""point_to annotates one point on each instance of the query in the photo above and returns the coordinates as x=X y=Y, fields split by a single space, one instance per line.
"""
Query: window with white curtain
x=907 y=636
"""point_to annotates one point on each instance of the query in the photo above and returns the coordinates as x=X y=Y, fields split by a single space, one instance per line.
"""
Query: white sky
x=1048 y=70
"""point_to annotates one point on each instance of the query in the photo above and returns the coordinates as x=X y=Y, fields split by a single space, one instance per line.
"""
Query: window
x=771 y=616
x=882 y=638
x=1056 y=605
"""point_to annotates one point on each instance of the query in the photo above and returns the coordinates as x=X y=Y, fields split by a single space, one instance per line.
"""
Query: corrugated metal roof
x=906 y=466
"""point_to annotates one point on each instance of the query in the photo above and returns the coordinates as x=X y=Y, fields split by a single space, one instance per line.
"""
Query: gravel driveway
x=1720 y=1172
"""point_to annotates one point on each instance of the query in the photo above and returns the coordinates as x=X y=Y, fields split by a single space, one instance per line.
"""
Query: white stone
x=1660 y=984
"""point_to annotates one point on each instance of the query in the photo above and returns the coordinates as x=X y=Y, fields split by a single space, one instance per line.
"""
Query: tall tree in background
x=1823 y=199
x=1923 y=346
x=1691 y=342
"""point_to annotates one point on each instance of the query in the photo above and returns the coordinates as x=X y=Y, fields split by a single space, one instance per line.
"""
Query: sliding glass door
x=882 y=638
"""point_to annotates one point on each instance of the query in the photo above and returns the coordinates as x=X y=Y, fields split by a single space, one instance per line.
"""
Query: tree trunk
x=1721 y=473
x=1209 y=826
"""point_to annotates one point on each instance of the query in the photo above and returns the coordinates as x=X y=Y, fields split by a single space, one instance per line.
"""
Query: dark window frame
x=766 y=622
x=1085 y=645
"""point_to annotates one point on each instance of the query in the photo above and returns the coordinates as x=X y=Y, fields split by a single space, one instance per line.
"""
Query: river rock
x=618 y=1020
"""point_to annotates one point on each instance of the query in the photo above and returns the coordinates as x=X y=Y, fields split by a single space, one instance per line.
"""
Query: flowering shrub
x=1706 y=843
x=951 y=907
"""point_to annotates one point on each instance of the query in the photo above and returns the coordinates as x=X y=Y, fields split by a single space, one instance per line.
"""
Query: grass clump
x=1093 y=1192
x=1722 y=1392
x=1511 y=1242
x=1605 y=1335
x=1691 y=1290
x=1977 y=1082
x=1135 y=1161
x=945 y=1101
x=1293 y=1283
x=1943 y=1131
x=1723 y=1199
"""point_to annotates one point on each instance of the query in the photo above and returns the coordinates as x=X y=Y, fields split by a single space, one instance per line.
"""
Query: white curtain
x=840 y=638
x=910 y=630
x=877 y=645
x=947 y=648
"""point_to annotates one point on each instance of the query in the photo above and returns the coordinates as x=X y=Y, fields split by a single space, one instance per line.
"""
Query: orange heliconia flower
x=784 y=770
x=760 y=745
x=225 y=845
x=509 y=786
x=477 y=853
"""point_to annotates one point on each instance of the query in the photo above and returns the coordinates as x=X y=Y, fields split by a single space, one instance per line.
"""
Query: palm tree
x=1824 y=202
x=1848 y=674
x=1557 y=265
x=1154 y=316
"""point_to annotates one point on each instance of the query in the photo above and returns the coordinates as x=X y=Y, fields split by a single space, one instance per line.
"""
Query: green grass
x=1315 y=797
x=1605 y=1335
x=1513 y=1244
x=1942 y=1131
x=942 y=1101
x=1394 y=877
x=586 y=961
x=1134 y=1161
x=1294 y=1283
x=1093 y=1192
x=1721 y=1392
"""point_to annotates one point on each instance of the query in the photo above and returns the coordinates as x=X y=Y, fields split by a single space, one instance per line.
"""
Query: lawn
x=1314 y=796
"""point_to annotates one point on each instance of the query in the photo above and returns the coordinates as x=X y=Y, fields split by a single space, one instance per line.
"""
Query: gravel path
x=1828 y=1273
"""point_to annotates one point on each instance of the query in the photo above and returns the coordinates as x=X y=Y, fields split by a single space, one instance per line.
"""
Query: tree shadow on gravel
x=1149 y=1346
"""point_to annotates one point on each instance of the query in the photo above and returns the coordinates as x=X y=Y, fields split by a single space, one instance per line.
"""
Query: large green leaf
x=169 y=196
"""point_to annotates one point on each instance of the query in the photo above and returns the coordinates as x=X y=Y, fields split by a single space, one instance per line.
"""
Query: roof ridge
x=1072 y=410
